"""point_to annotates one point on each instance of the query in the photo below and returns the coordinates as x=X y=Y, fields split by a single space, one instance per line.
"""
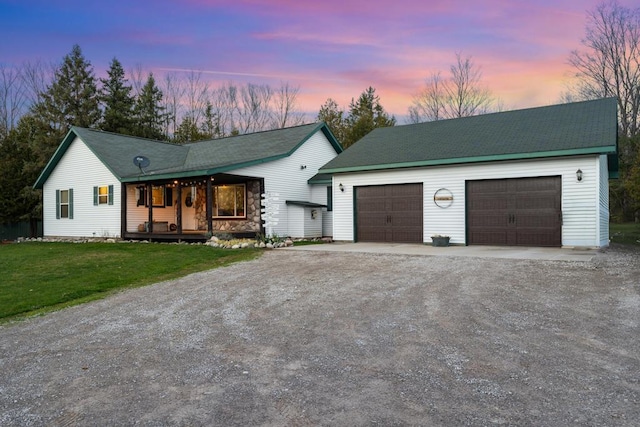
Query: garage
x=532 y=177
x=515 y=212
x=389 y=213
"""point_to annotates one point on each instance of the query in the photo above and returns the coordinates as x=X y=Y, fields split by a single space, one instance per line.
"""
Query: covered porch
x=192 y=208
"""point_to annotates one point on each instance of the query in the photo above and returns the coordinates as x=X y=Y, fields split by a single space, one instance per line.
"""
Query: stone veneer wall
x=251 y=224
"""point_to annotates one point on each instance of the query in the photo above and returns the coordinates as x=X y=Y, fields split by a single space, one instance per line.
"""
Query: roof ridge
x=122 y=135
x=520 y=110
x=252 y=133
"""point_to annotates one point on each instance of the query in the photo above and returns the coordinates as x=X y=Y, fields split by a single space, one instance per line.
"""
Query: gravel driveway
x=315 y=338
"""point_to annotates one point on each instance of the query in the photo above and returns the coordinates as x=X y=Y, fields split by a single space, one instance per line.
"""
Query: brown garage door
x=389 y=213
x=515 y=212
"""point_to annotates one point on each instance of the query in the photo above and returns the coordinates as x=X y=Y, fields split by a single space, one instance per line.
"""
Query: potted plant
x=439 y=240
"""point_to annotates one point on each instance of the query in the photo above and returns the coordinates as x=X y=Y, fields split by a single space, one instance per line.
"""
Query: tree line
x=40 y=102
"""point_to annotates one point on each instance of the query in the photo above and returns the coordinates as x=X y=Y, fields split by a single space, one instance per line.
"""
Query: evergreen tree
x=117 y=101
x=365 y=115
x=188 y=131
x=331 y=114
x=20 y=163
x=148 y=111
x=72 y=97
x=211 y=126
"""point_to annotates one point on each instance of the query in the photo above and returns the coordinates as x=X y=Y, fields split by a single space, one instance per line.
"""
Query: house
x=101 y=184
x=532 y=177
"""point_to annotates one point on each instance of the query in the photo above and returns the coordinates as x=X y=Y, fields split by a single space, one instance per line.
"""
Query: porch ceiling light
x=579 y=175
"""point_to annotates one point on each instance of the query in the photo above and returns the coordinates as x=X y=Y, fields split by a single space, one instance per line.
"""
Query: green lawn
x=39 y=277
x=627 y=233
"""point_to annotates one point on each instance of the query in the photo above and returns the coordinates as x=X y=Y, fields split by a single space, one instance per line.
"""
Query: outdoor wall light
x=579 y=175
x=341 y=187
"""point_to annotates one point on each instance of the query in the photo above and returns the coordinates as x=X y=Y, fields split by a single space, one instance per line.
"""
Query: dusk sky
x=330 y=49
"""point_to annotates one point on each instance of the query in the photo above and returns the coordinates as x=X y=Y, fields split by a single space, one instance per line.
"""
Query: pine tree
x=20 y=163
x=332 y=116
x=72 y=97
x=117 y=101
x=149 y=113
x=365 y=115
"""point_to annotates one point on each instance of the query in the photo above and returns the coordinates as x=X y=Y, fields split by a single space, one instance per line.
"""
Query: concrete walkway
x=511 y=252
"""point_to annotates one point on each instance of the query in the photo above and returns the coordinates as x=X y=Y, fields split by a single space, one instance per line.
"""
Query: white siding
x=288 y=179
x=302 y=224
x=579 y=199
x=603 y=205
x=81 y=170
x=319 y=195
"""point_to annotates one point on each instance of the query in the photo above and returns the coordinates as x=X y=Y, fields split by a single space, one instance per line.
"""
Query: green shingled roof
x=560 y=130
x=168 y=161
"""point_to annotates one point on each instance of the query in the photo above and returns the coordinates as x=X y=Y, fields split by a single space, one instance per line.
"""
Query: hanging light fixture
x=579 y=175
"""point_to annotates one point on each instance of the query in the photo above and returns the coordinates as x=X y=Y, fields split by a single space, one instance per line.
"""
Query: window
x=329 y=198
x=64 y=204
x=103 y=195
x=229 y=200
x=161 y=196
x=157 y=194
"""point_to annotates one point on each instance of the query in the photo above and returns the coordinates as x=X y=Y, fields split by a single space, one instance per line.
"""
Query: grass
x=41 y=277
x=307 y=242
x=626 y=233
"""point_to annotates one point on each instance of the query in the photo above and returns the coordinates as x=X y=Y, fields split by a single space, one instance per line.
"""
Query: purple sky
x=329 y=49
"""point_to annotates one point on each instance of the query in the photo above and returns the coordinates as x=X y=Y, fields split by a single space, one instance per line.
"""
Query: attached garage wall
x=582 y=220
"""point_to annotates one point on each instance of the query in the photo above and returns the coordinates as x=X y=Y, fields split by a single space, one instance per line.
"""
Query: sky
x=329 y=49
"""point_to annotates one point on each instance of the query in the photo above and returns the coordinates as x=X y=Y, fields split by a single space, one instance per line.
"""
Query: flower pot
x=440 y=241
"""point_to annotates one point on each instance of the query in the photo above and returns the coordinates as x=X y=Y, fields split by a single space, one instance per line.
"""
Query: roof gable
x=558 y=130
x=169 y=160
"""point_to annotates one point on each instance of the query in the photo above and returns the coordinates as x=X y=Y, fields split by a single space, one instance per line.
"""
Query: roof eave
x=53 y=161
x=478 y=159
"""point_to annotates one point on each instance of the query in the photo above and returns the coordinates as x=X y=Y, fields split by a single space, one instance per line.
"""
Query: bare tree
x=173 y=90
x=253 y=111
x=36 y=77
x=284 y=112
x=13 y=98
x=461 y=95
x=225 y=106
x=196 y=96
x=137 y=78
x=610 y=65
x=428 y=105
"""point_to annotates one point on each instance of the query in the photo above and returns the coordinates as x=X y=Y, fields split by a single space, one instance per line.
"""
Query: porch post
x=179 y=209
x=123 y=209
x=150 y=202
x=209 y=205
